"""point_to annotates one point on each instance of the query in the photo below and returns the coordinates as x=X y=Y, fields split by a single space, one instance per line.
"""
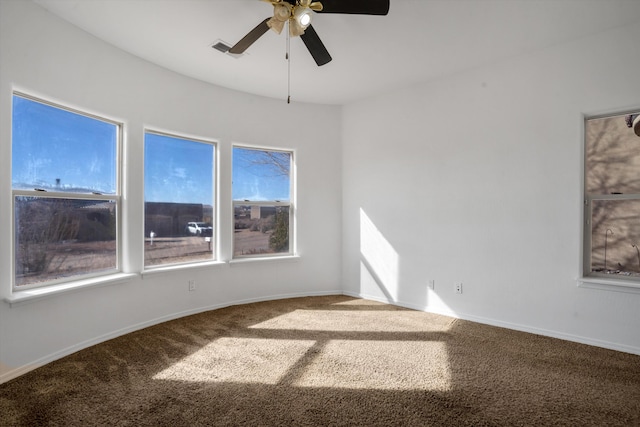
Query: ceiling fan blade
x=359 y=7
x=316 y=47
x=251 y=37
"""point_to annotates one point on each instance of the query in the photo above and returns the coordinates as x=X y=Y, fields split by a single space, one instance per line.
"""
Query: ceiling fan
x=297 y=13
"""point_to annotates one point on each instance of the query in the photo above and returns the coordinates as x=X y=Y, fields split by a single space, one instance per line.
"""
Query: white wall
x=473 y=178
x=477 y=178
x=46 y=56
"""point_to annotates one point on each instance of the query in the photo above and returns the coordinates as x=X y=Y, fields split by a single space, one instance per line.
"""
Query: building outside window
x=612 y=197
x=65 y=192
x=179 y=225
x=262 y=202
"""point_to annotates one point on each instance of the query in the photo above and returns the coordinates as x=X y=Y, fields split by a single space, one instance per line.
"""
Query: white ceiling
x=419 y=40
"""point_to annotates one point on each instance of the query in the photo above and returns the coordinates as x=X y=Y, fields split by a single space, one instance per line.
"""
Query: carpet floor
x=328 y=361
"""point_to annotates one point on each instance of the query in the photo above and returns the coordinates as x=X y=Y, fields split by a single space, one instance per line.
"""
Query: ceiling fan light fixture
x=295 y=29
x=281 y=14
x=275 y=25
x=302 y=16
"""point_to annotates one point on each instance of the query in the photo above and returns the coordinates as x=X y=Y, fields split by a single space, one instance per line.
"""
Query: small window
x=612 y=196
x=66 y=194
x=262 y=202
x=179 y=200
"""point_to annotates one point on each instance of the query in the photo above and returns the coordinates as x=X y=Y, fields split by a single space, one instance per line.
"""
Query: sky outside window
x=260 y=175
x=178 y=170
x=58 y=150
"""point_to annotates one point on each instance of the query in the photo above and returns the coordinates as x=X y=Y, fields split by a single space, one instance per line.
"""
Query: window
x=179 y=200
x=612 y=197
x=262 y=202
x=66 y=193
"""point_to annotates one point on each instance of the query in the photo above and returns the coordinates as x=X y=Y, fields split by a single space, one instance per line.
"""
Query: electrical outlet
x=458 y=287
x=192 y=285
x=432 y=284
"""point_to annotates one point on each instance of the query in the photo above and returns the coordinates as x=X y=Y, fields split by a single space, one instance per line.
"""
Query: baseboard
x=556 y=334
x=21 y=370
x=508 y=325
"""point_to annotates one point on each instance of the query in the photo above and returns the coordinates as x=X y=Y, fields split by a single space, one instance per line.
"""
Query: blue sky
x=58 y=150
x=260 y=175
x=178 y=170
x=50 y=144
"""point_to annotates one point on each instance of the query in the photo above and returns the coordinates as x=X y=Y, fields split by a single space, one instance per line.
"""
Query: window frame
x=589 y=278
x=116 y=198
x=292 y=252
x=215 y=247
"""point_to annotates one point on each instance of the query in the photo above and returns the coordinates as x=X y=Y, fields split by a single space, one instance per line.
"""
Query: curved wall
x=45 y=56
x=474 y=178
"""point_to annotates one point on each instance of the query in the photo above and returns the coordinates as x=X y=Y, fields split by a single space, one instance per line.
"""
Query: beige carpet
x=328 y=361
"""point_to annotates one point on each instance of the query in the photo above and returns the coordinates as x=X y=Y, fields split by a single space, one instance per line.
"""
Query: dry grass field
x=65 y=259
x=74 y=258
x=247 y=242
x=172 y=250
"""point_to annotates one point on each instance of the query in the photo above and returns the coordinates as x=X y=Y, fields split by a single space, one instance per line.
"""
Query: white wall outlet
x=192 y=285
x=458 y=287
x=432 y=284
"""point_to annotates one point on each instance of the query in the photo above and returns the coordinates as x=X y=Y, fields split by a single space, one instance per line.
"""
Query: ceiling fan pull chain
x=288 y=57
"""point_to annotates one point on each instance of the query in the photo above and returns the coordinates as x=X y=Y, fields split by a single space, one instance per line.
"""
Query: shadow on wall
x=379 y=265
x=380 y=273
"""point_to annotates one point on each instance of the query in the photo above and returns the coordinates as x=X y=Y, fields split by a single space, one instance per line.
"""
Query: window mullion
x=591 y=197
x=61 y=195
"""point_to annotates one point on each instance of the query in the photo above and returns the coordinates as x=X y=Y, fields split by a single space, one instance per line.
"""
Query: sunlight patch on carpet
x=380 y=365
x=358 y=321
x=238 y=360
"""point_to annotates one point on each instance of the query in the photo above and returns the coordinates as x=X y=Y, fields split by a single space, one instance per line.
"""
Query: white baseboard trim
x=508 y=325
x=21 y=370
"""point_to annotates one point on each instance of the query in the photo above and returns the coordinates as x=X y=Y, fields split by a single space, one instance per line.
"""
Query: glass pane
x=58 y=150
x=261 y=175
x=172 y=237
x=615 y=228
x=179 y=186
x=261 y=230
x=60 y=238
x=612 y=151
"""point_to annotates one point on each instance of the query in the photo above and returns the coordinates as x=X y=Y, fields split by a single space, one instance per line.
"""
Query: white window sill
x=181 y=267
x=603 y=283
x=285 y=258
x=34 y=294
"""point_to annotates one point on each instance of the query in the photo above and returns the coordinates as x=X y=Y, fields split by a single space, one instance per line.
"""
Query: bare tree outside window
x=66 y=193
x=612 y=196
x=262 y=202
x=58 y=238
